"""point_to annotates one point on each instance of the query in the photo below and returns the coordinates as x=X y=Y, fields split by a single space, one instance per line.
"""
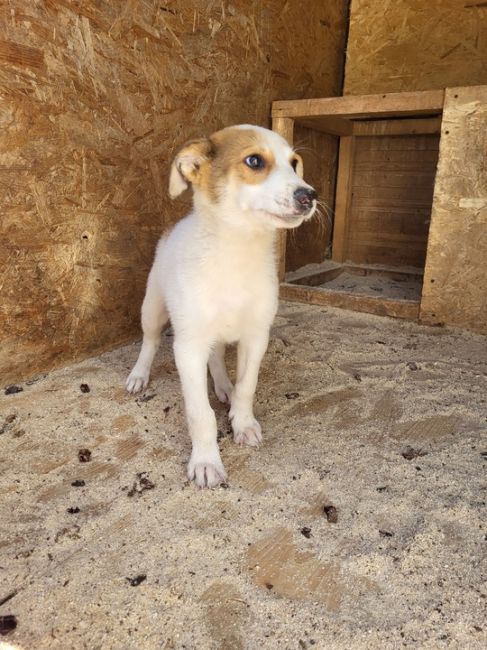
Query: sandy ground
x=381 y=420
x=376 y=285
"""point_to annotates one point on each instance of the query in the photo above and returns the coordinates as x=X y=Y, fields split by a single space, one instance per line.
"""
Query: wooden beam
x=314 y=278
x=391 y=104
x=330 y=125
x=331 y=270
x=455 y=274
x=421 y=126
x=342 y=200
x=285 y=127
x=408 y=309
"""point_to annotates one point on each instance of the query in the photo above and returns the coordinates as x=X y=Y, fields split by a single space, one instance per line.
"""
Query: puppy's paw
x=137 y=381
x=246 y=431
x=206 y=474
x=223 y=391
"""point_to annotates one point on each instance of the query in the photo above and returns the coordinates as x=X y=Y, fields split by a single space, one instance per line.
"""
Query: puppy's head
x=246 y=174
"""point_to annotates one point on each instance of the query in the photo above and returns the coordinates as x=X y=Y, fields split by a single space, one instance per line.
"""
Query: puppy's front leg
x=246 y=429
x=205 y=467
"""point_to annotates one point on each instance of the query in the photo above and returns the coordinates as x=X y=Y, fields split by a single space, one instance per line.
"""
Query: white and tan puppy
x=214 y=276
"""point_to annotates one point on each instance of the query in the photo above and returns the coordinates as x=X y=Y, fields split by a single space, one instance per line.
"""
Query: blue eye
x=254 y=161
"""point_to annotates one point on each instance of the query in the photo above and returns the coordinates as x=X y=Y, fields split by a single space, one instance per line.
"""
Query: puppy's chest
x=234 y=289
x=238 y=297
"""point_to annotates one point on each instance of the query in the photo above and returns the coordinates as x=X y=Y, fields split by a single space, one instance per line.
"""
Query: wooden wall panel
x=409 y=45
x=455 y=282
x=403 y=45
x=391 y=198
x=96 y=95
x=309 y=242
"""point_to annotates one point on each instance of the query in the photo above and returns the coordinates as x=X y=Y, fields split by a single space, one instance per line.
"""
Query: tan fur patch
x=229 y=148
x=232 y=147
x=208 y=164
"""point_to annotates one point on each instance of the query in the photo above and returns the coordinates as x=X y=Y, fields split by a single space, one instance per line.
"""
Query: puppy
x=214 y=276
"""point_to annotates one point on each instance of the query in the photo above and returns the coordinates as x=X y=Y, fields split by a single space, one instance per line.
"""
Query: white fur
x=215 y=277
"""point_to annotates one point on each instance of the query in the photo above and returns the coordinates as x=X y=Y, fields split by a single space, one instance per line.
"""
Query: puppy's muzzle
x=304 y=198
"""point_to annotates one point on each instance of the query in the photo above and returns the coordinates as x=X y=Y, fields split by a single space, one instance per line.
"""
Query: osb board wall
x=455 y=281
x=400 y=45
x=391 y=198
x=96 y=95
x=309 y=242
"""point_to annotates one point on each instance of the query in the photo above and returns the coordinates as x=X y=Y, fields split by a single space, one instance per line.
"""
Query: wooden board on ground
x=408 y=309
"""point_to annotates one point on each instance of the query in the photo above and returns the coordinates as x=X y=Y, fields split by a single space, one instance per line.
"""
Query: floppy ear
x=299 y=166
x=187 y=164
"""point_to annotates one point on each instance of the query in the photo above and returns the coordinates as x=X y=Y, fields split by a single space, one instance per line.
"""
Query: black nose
x=304 y=197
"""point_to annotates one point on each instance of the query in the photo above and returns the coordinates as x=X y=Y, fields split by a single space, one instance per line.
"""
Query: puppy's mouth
x=290 y=219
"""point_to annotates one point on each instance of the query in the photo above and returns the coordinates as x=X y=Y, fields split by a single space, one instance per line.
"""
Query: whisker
x=292 y=235
x=300 y=148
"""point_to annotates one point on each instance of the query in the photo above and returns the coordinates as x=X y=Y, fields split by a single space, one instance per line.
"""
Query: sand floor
x=376 y=285
x=359 y=523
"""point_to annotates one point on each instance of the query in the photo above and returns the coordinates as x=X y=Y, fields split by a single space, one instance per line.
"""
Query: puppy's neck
x=230 y=223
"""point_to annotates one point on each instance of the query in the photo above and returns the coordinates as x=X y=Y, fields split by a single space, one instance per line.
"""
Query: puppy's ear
x=299 y=166
x=187 y=164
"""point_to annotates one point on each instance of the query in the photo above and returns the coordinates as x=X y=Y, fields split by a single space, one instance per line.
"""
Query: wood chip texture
x=456 y=273
x=96 y=97
x=403 y=45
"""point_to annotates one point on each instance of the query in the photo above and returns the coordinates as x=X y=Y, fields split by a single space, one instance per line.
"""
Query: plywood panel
x=455 y=282
x=406 y=45
x=390 y=207
x=96 y=96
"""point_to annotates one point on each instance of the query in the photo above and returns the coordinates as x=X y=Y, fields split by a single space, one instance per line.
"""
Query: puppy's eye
x=254 y=161
x=294 y=163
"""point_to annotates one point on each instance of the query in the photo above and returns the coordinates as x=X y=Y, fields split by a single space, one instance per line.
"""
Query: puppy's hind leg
x=216 y=363
x=154 y=317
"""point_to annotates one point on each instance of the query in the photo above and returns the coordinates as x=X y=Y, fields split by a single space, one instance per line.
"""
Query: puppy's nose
x=304 y=197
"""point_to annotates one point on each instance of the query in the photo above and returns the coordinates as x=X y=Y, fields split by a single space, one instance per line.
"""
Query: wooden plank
x=413 y=195
x=319 y=151
x=408 y=309
x=369 y=201
x=406 y=273
x=401 y=143
x=388 y=240
x=396 y=178
x=285 y=127
x=456 y=272
x=400 y=213
x=388 y=255
x=425 y=125
x=391 y=104
x=391 y=222
x=315 y=278
x=319 y=276
x=390 y=209
x=343 y=196
x=390 y=158
x=331 y=125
